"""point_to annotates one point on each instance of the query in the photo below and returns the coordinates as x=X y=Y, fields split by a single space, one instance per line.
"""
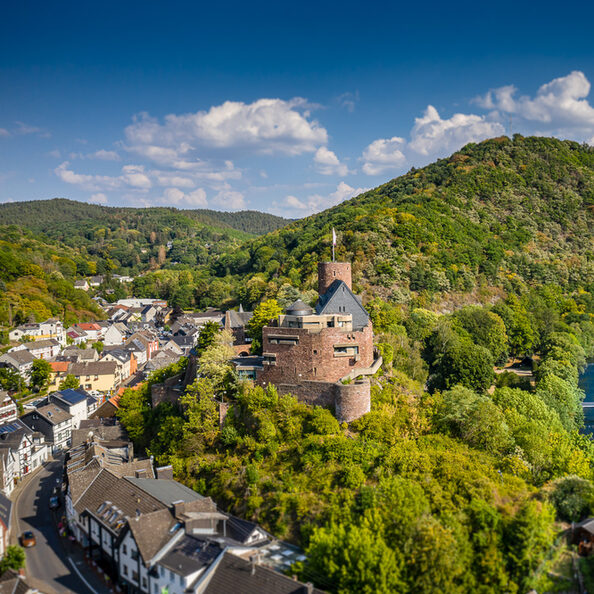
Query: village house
x=58 y=374
x=20 y=361
x=102 y=376
x=5 y=526
x=125 y=360
x=52 y=328
x=8 y=470
x=8 y=408
x=74 y=402
x=28 y=447
x=53 y=422
x=83 y=285
x=92 y=330
x=115 y=334
x=41 y=349
x=77 y=355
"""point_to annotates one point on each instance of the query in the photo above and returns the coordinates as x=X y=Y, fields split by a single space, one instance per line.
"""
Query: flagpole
x=333 y=244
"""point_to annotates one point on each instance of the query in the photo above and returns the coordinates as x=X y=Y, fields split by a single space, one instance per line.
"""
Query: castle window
x=283 y=339
x=269 y=359
x=346 y=350
x=315 y=352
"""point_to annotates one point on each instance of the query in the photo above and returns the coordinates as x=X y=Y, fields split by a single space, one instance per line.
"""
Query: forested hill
x=503 y=213
x=48 y=216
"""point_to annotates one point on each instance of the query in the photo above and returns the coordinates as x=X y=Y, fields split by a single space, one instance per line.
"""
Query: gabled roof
x=12 y=583
x=152 y=532
x=51 y=413
x=339 y=293
x=234 y=574
x=94 y=368
x=164 y=490
x=59 y=366
x=22 y=357
x=42 y=344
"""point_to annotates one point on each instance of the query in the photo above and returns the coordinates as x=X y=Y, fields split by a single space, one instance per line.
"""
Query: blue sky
x=286 y=108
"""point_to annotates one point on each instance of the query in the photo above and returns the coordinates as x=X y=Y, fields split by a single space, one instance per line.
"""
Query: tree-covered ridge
x=502 y=212
x=37 y=278
x=45 y=215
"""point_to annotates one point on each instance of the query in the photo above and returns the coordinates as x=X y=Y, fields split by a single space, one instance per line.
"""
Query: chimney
x=140 y=473
x=254 y=560
x=165 y=472
x=309 y=588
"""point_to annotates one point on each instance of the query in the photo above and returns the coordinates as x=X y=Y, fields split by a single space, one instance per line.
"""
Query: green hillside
x=36 y=280
x=501 y=213
x=46 y=216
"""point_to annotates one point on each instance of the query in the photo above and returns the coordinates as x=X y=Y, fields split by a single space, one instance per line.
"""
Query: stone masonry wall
x=328 y=272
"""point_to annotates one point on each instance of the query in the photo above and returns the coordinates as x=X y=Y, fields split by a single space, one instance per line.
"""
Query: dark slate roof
x=339 y=294
x=240 y=530
x=72 y=396
x=299 y=308
x=22 y=357
x=5 y=510
x=587 y=525
x=239 y=319
x=165 y=491
x=190 y=555
x=51 y=413
x=234 y=574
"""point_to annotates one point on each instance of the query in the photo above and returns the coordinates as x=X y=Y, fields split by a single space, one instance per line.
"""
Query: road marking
x=80 y=575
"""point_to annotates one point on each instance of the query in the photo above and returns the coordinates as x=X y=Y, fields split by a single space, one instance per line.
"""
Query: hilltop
x=502 y=213
x=49 y=216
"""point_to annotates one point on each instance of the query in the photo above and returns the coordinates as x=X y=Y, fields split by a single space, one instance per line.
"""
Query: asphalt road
x=47 y=561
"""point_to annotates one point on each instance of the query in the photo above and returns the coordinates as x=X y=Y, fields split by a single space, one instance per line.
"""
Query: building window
x=135 y=576
x=343 y=350
x=125 y=570
x=125 y=549
x=134 y=554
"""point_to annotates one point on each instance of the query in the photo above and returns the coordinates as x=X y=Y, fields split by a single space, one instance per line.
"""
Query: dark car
x=28 y=539
x=54 y=502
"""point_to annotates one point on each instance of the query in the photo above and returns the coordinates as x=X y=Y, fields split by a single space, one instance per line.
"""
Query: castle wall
x=347 y=401
x=313 y=357
x=328 y=272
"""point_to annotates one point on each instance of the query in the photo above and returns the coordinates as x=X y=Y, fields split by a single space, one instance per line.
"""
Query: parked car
x=54 y=502
x=28 y=539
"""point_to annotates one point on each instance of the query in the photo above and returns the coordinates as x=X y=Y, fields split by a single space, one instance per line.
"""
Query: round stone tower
x=328 y=272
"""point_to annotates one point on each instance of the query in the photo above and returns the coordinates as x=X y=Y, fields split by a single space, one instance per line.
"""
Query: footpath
x=72 y=554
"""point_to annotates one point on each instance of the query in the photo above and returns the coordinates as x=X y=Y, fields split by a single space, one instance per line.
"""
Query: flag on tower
x=333 y=236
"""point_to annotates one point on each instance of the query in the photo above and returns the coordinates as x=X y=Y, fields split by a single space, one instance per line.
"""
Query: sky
x=287 y=108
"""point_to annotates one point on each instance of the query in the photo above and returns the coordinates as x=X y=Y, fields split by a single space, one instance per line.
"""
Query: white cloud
x=98 y=198
x=4 y=132
x=23 y=129
x=230 y=200
x=384 y=154
x=55 y=153
x=432 y=135
x=348 y=100
x=560 y=107
x=327 y=163
x=134 y=176
x=197 y=198
x=266 y=126
x=316 y=202
x=104 y=155
x=171 y=179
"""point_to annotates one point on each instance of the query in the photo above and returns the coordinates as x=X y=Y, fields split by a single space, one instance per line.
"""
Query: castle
x=322 y=356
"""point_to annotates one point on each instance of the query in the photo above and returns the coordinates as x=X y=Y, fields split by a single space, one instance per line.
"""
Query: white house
x=8 y=408
x=74 y=402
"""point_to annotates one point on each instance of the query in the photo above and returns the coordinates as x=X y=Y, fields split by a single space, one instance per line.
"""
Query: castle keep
x=312 y=353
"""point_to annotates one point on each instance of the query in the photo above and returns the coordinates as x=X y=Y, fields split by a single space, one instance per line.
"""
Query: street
x=47 y=562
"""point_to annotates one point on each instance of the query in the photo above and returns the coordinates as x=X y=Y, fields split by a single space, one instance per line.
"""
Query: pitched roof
x=339 y=292
x=166 y=491
x=59 y=366
x=152 y=532
x=234 y=574
x=51 y=413
x=22 y=357
x=12 y=583
x=94 y=368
